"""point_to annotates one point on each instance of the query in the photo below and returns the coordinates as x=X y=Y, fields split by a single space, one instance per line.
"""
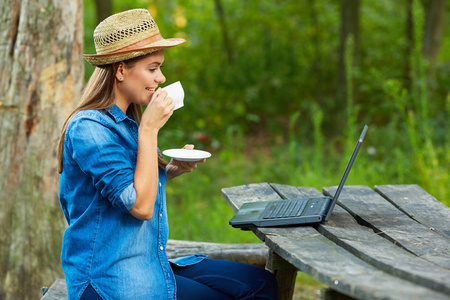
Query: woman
x=112 y=183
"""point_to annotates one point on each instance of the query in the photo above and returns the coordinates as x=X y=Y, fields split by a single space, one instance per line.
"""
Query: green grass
x=197 y=210
x=412 y=148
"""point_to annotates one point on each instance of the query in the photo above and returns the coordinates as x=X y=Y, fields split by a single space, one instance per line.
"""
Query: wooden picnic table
x=390 y=242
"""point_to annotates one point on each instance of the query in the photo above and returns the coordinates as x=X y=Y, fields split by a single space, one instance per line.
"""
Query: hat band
x=139 y=44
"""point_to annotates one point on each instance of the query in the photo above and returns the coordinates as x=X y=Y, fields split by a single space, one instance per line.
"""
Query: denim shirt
x=121 y=256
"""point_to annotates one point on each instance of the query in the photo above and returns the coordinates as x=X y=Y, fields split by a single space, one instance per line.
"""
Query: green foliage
x=265 y=104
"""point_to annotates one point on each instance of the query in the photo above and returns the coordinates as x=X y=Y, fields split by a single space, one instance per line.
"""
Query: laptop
x=300 y=211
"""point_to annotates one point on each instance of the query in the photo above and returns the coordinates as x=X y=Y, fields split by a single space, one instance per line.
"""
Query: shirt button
x=160 y=184
x=162 y=248
x=160 y=215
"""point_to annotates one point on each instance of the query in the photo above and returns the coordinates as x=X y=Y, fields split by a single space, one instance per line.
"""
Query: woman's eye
x=154 y=69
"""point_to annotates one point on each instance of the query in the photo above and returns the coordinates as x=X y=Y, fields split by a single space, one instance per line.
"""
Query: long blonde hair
x=99 y=94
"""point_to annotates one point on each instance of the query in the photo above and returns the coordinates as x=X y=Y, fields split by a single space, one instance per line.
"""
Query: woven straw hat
x=126 y=35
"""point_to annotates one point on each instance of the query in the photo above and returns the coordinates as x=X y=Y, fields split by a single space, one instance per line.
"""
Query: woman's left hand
x=175 y=168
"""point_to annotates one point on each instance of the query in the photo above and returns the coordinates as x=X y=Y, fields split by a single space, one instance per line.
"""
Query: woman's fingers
x=159 y=110
x=188 y=147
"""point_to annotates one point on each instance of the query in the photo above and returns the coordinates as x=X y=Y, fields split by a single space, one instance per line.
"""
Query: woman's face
x=138 y=82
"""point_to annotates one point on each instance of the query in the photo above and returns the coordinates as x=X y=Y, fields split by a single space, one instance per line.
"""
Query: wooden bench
x=389 y=243
x=255 y=254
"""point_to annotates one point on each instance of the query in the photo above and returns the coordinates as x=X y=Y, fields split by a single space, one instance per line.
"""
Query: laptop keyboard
x=285 y=209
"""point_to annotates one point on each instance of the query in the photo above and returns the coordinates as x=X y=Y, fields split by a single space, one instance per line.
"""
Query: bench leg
x=285 y=274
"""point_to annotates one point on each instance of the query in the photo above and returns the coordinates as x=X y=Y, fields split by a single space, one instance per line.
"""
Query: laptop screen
x=347 y=171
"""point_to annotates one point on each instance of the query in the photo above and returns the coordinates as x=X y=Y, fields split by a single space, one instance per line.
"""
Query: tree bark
x=409 y=45
x=41 y=71
x=433 y=34
x=349 y=27
x=224 y=30
x=103 y=8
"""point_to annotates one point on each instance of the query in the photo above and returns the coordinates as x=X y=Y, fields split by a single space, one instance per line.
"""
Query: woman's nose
x=160 y=78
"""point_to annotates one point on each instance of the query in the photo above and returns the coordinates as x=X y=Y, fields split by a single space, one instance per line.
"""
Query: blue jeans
x=219 y=280
x=224 y=280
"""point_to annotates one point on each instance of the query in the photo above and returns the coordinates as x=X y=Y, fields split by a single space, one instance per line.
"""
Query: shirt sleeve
x=100 y=155
x=128 y=196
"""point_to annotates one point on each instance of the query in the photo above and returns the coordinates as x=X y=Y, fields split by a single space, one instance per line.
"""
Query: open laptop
x=292 y=211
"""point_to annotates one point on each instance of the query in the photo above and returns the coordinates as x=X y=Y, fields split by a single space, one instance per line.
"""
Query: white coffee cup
x=176 y=92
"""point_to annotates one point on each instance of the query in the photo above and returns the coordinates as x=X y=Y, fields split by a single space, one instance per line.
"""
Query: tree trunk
x=41 y=71
x=433 y=34
x=409 y=45
x=103 y=8
x=224 y=30
x=349 y=27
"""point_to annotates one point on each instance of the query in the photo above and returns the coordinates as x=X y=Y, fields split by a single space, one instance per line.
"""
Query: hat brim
x=109 y=58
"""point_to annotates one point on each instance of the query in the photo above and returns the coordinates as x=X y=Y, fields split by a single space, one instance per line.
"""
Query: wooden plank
x=352 y=275
x=238 y=195
x=373 y=210
x=362 y=241
x=418 y=205
x=58 y=291
x=254 y=254
x=291 y=192
x=306 y=233
x=332 y=265
x=285 y=273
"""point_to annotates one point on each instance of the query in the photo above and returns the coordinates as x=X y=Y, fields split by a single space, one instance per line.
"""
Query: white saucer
x=186 y=155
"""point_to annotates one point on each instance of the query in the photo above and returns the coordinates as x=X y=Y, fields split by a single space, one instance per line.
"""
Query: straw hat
x=126 y=35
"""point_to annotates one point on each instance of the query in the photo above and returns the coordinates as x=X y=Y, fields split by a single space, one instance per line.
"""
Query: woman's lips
x=151 y=90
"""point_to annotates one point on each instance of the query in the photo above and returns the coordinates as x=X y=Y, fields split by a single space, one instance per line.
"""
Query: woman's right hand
x=158 y=111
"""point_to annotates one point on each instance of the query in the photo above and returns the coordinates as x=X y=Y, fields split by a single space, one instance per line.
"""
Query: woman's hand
x=158 y=111
x=145 y=176
x=175 y=168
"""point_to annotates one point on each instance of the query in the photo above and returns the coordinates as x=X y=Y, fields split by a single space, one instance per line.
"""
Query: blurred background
x=278 y=91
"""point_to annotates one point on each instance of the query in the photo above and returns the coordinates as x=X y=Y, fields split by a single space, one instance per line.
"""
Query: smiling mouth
x=151 y=90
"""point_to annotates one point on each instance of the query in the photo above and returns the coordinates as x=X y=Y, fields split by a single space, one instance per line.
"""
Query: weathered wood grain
x=418 y=205
x=57 y=291
x=309 y=251
x=334 y=266
x=238 y=195
x=363 y=242
x=285 y=273
x=373 y=210
x=42 y=76
x=254 y=254
x=291 y=192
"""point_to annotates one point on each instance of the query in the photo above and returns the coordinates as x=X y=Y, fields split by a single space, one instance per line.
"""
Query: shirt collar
x=117 y=114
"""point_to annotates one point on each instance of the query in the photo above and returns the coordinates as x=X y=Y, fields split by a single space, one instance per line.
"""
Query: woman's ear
x=120 y=71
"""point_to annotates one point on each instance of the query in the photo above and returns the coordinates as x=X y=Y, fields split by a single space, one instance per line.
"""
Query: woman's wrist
x=148 y=130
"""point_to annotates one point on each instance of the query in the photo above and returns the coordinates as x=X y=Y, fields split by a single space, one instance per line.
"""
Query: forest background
x=278 y=91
